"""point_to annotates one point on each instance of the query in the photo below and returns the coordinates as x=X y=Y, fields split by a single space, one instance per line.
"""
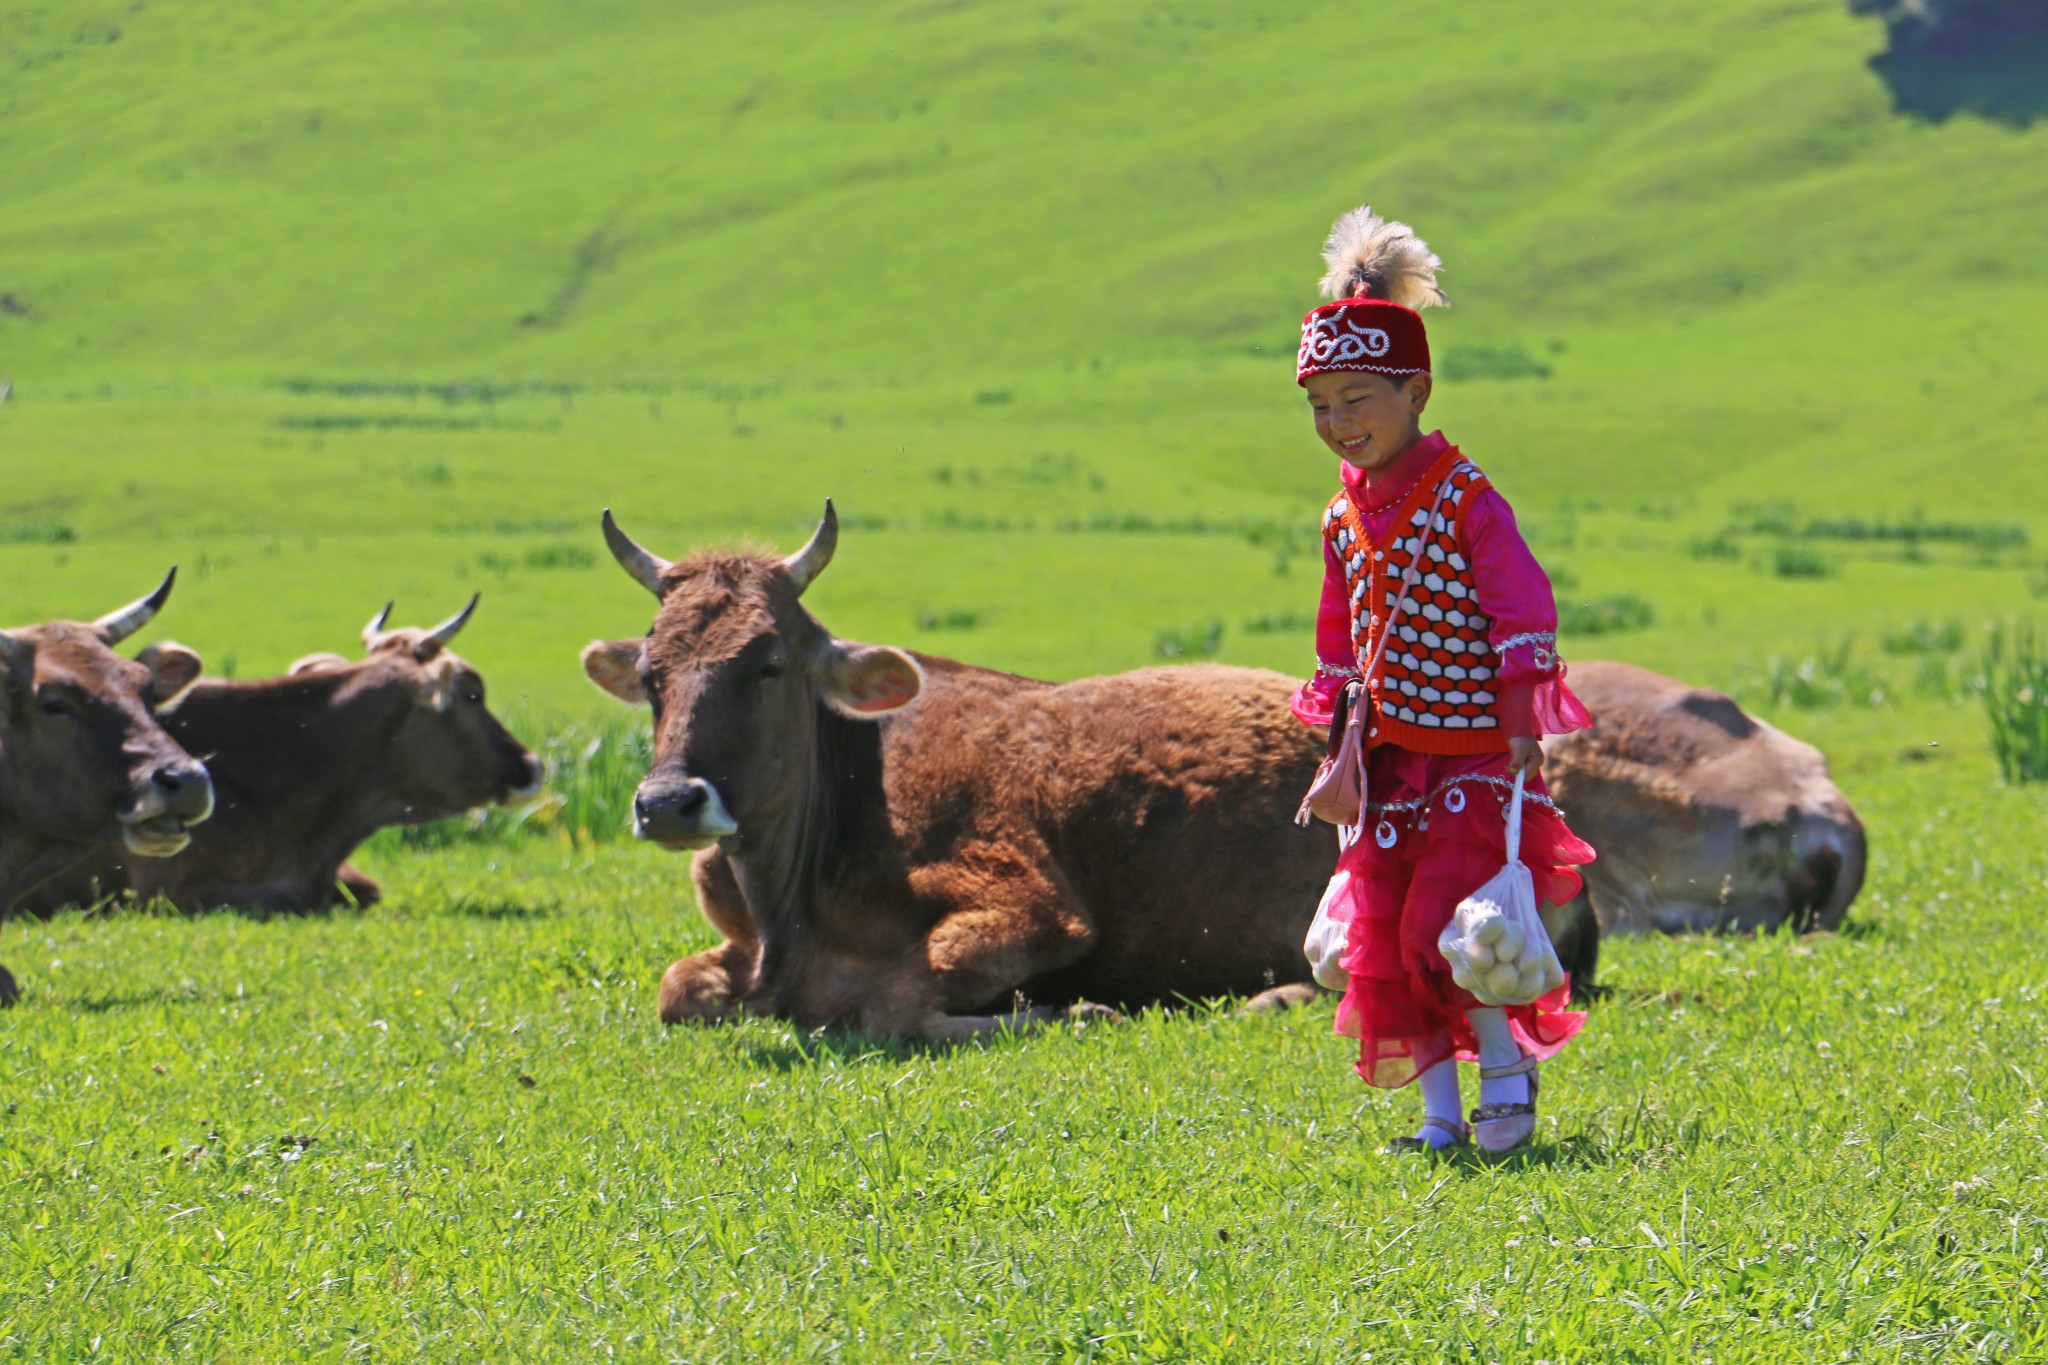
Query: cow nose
x=184 y=790
x=682 y=811
x=528 y=775
x=681 y=802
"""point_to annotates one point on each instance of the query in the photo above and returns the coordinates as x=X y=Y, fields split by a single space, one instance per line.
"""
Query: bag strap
x=1409 y=577
x=1340 y=716
x=1515 y=820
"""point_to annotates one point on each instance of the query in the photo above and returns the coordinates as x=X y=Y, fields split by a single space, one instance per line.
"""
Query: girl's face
x=1368 y=419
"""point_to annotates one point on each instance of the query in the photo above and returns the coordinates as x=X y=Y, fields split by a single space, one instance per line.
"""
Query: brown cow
x=82 y=758
x=1706 y=818
x=310 y=764
x=911 y=871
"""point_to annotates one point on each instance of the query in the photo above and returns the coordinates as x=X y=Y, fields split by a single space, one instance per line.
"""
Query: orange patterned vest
x=1434 y=691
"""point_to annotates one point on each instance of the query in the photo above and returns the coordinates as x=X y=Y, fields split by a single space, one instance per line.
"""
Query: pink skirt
x=1434 y=831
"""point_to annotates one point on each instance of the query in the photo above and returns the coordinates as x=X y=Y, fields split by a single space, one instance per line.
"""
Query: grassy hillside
x=806 y=193
x=389 y=301
x=711 y=262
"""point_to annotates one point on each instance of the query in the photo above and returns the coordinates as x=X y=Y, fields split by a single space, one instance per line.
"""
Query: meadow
x=389 y=302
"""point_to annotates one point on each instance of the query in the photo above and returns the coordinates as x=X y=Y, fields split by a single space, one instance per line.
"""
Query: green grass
x=246 y=1139
x=388 y=301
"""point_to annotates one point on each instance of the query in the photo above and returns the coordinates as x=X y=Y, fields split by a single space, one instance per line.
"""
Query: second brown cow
x=307 y=766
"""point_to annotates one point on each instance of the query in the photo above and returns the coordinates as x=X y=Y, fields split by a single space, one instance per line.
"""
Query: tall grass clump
x=1925 y=637
x=1799 y=561
x=1191 y=642
x=1603 y=615
x=1279 y=623
x=2016 y=702
x=1832 y=676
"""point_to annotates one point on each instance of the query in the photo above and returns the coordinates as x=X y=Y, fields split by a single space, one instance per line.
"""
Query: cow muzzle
x=533 y=776
x=686 y=814
x=157 y=818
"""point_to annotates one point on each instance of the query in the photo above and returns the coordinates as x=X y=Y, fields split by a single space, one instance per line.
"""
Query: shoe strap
x=1490 y=1113
x=1494 y=1073
x=1451 y=1126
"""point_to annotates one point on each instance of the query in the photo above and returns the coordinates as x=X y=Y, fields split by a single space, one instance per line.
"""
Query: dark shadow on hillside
x=128 y=1000
x=1573 y=1152
x=117 y=1001
x=1949 y=57
x=126 y=905
x=483 y=908
x=800 y=1051
x=498 y=910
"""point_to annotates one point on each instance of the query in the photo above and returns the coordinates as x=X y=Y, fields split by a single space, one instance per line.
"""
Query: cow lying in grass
x=83 y=760
x=912 y=871
x=310 y=764
x=1705 y=817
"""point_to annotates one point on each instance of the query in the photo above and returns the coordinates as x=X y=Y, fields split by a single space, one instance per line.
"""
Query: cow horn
x=376 y=627
x=436 y=639
x=117 y=626
x=806 y=564
x=646 y=568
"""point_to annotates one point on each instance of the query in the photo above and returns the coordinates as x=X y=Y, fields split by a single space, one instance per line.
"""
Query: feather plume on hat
x=1370 y=257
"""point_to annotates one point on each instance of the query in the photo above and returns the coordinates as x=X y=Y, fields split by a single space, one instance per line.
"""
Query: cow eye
x=769 y=671
x=59 y=704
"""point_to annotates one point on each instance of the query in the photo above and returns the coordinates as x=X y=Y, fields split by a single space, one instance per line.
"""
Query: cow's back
x=1163 y=798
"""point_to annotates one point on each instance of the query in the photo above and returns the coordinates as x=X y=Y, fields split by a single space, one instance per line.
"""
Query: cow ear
x=868 y=680
x=614 y=665
x=315 y=663
x=172 y=669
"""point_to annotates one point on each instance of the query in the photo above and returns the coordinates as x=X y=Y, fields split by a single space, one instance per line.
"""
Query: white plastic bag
x=1327 y=935
x=1495 y=943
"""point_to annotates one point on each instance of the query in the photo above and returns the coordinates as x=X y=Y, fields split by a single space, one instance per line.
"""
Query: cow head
x=82 y=758
x=735 y=670
x=444 y=752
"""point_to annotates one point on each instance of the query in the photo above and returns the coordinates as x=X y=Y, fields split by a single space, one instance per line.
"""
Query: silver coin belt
x=1386 y=836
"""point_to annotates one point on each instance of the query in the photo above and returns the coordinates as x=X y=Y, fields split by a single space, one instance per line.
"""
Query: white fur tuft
x=1370 y=257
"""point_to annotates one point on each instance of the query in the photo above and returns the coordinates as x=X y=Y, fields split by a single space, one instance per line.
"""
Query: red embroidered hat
x=1379 y=273
x=1361 y=334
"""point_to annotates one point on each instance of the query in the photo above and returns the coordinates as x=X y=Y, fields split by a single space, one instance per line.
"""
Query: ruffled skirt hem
x=1423 y=847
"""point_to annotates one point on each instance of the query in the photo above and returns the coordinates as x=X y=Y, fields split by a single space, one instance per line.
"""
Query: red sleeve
x=1530 y=694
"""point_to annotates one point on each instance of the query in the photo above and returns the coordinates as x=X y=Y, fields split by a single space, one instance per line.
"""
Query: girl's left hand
x=1525 y=755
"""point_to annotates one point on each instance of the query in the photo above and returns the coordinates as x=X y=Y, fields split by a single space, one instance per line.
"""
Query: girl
x=1468 y=682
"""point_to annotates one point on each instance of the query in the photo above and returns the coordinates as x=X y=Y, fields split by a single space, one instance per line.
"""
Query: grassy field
x=389 y=300
x=451 y=1130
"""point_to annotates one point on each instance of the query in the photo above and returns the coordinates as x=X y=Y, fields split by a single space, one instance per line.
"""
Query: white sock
x=1497 y=1047
x=1440 y=1100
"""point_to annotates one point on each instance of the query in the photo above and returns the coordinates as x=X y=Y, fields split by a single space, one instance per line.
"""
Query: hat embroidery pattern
x=1336 y=338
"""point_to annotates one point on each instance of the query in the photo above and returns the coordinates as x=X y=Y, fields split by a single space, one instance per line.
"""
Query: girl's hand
x=1525 y=755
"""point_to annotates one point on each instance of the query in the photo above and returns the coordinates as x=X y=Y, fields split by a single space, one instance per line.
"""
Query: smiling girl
x=1457 y=702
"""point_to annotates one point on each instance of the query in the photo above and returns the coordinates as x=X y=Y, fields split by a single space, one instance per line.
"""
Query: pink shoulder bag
x=1337 y=796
